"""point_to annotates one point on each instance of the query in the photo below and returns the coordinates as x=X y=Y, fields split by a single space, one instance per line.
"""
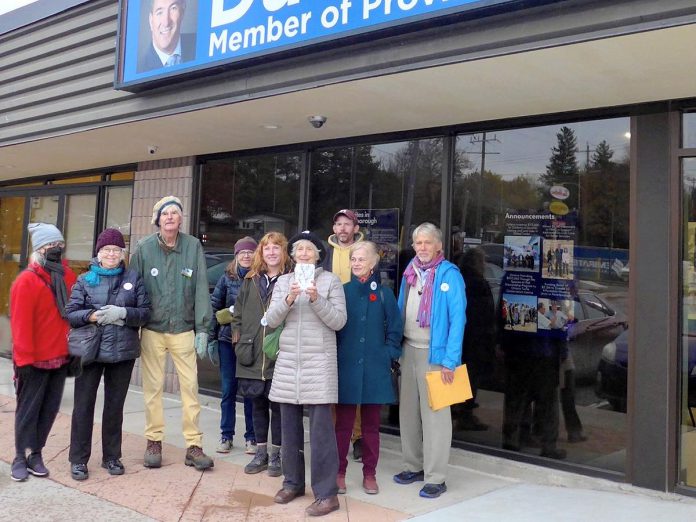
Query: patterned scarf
x=417 y=270
x=92 y=277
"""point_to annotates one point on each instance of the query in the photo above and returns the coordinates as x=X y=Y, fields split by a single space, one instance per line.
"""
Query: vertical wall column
x=153 y=181
x=654 y=294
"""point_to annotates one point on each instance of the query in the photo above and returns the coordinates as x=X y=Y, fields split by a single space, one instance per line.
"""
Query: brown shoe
x=153 y=454
x=196 y=458
x=285 y=495
x=341 y=483
x=370 y=485
x=323 y=506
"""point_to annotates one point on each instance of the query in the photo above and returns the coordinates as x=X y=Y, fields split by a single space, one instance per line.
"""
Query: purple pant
x=345 y=416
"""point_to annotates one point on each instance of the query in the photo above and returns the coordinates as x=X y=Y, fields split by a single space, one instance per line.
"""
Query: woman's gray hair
x=293 y=251
x=427 y=229
x=371 y=248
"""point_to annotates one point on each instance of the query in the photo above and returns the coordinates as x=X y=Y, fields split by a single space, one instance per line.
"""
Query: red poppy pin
x=373 y=297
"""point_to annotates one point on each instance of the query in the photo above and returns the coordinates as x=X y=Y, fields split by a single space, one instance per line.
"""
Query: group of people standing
x=341 y=331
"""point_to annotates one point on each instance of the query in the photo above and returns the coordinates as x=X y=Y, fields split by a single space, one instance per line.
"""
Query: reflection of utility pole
x=482 y=141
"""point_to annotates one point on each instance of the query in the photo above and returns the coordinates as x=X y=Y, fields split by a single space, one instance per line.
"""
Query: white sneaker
x=250 y=447
x=225 y=446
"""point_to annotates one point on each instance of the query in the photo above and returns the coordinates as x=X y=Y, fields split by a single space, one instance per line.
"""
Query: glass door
x=11 y=233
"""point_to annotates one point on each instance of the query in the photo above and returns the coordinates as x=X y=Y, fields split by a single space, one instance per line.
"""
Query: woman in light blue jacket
x=432 y=301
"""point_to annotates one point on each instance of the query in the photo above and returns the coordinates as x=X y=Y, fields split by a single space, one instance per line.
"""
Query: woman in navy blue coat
x=367 y=344
x=115 y=298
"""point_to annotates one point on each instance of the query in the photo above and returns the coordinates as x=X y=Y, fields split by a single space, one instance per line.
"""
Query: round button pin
x=154 y=272
x=444 y=287
x=128 y=286
x=373 y=285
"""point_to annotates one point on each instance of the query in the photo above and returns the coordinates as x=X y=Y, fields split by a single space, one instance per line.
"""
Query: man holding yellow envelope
x=432 y=301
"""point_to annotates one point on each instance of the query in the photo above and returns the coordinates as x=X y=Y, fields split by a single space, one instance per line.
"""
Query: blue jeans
x=228 y=369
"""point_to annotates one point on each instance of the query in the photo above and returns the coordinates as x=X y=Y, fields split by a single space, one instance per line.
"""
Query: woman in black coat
x=114 y=298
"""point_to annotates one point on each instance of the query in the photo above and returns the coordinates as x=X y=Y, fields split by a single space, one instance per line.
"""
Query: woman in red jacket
x=39 y=346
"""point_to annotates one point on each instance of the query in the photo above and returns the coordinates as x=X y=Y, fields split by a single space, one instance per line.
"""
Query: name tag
x=187 y=272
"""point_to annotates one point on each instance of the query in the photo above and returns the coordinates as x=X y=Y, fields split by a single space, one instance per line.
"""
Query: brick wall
x=153 y=181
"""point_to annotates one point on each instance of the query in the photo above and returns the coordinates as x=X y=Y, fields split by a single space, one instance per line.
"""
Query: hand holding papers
x=304 y=275
x=441 y=395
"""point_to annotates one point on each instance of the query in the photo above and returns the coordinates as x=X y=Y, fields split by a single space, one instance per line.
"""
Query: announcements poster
x=538 y=287
x=382 y=227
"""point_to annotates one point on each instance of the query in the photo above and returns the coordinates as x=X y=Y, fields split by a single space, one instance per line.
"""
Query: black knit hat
x=309 y=236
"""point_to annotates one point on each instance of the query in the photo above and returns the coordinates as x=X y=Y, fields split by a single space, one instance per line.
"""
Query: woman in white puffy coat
x=306 y=373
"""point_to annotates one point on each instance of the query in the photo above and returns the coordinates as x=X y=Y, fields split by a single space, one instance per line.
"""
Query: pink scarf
x=427 y=271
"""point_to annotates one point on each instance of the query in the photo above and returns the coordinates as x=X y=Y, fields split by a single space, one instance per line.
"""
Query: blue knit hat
x=42 y=234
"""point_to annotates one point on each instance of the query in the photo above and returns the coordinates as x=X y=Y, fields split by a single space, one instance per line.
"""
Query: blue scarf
x=92 y=277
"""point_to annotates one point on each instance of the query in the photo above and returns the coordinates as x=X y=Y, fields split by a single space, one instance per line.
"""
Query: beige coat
x=306 y=369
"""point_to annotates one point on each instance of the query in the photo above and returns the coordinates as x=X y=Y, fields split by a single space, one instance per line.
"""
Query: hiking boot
x=19 y=472
x=225 y=446
x=370 y=485
x=341 y=484
x=323 y=506
x=357 y=450
x=196 y=458
x=35 y=465
x=250 y=447
x=153 y=454
x=113 y=466
x=79 y=471
x=275 y=468
x=258 y=464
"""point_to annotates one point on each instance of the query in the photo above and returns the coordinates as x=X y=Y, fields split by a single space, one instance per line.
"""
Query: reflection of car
x=612 y=372
x=597 y=323
x=216 y=262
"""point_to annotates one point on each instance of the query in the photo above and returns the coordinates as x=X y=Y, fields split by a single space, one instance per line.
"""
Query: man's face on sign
x=165 y=23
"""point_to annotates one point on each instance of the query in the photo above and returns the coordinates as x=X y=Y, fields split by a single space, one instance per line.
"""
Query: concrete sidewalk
x=480 y=487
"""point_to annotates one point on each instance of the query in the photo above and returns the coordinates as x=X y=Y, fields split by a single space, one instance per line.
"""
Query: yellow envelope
x=441 y=395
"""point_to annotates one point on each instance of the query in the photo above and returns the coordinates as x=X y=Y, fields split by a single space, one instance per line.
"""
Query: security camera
x=317 y=121
x=152 y=149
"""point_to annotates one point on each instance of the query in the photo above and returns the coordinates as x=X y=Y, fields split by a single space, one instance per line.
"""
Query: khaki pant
x=154 y=352
x=426 y=435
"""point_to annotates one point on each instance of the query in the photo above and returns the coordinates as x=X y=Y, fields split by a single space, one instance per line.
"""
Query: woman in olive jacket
x=115 y=298
x=367 y=345
x=254 y=370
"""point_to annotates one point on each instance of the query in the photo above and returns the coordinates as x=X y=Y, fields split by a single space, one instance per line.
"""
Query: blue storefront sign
x=165 y=38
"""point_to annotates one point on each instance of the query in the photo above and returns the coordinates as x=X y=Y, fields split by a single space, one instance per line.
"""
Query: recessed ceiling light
x=270 y=126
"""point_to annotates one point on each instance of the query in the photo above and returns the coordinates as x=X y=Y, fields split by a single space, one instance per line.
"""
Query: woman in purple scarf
x=432 y=301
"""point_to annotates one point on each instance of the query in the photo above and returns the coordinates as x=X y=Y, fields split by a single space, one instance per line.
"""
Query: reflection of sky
x=529 y=300
x=527 y=151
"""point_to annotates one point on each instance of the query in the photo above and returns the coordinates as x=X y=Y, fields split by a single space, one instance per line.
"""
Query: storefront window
x=540 y=231
x=247 y=196
x=118 y=210
x=689 y=126
x=688 y=327
x=393 y=187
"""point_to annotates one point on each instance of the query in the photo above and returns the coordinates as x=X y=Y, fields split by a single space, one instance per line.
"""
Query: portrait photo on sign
x=554 y=314
x=167 y=36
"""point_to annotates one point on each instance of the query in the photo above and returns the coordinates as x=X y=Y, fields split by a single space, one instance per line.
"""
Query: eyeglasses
x=111 y=251
x=246 y=253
